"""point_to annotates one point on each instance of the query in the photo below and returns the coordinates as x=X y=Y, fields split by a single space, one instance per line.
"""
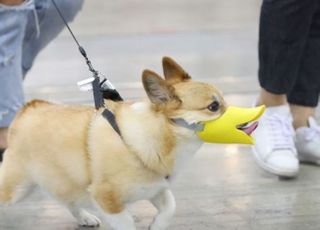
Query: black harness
x=109 y=116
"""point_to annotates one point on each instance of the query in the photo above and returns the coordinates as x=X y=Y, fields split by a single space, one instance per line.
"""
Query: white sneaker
x=308 y=142
x=274 y=148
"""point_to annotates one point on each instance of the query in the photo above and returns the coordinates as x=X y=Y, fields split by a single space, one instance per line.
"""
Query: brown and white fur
x=73 y=153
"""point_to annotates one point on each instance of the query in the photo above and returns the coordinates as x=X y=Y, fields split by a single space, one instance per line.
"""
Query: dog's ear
x=173 y=72
x=157 y=89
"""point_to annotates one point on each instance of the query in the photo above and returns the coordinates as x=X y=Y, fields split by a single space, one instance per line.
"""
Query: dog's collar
x=194 y=126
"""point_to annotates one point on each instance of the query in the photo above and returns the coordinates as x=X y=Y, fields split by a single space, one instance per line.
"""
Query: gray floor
x=215 y=41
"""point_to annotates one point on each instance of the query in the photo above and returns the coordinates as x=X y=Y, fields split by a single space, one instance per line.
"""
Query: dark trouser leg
x=306 y=89
x=284 y=29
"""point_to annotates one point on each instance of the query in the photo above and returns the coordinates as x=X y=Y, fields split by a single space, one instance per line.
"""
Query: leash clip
x=86 y=84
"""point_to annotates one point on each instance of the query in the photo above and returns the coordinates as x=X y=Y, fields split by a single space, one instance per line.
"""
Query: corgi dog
x=75 y=154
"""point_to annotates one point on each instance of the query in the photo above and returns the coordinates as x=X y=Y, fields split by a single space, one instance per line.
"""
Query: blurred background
x=216 y=42
x=213 y=40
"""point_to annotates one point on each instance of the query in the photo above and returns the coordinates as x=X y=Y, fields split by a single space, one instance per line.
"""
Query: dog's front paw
x=88 y=220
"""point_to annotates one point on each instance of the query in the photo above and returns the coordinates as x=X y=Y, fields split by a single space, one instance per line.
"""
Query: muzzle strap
x=194 y=127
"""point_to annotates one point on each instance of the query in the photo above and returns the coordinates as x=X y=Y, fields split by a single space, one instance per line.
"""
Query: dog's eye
x=214 y=106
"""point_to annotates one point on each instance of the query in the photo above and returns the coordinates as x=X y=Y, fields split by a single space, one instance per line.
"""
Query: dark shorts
x=289 y=49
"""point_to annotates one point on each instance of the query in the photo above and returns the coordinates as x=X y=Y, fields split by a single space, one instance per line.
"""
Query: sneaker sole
x=275 y=171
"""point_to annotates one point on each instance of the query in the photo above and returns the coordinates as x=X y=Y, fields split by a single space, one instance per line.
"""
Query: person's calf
x=301 y=115
x=3 y=138
x=11 y=2
x=270 y=99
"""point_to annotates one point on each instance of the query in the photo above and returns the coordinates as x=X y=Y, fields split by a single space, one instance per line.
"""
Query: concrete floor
x=216 y=41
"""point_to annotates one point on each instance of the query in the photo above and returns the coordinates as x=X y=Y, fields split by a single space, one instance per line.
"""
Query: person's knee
x=14 y=21
x=10 y=50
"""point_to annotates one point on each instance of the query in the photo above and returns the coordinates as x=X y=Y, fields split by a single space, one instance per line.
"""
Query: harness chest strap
x=109 y=116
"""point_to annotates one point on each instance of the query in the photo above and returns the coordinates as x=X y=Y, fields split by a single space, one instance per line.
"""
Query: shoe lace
x=282 y=132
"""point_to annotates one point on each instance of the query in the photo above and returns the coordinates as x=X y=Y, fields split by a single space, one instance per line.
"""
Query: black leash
x=101 y=90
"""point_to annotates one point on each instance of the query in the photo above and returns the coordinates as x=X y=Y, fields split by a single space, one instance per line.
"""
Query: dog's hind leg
x=14 y=181
x=70 y=193
x=165 y=203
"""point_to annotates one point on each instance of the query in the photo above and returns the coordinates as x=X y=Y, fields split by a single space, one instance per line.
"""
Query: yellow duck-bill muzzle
x=234 y=126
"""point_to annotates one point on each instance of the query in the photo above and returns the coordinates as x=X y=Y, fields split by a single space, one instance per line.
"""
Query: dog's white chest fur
x=183 y=152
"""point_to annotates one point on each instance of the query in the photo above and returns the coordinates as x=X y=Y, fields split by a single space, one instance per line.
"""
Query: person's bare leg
x=3 y=138
x=301 y=114
x=11 y=2
x=271 y=99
